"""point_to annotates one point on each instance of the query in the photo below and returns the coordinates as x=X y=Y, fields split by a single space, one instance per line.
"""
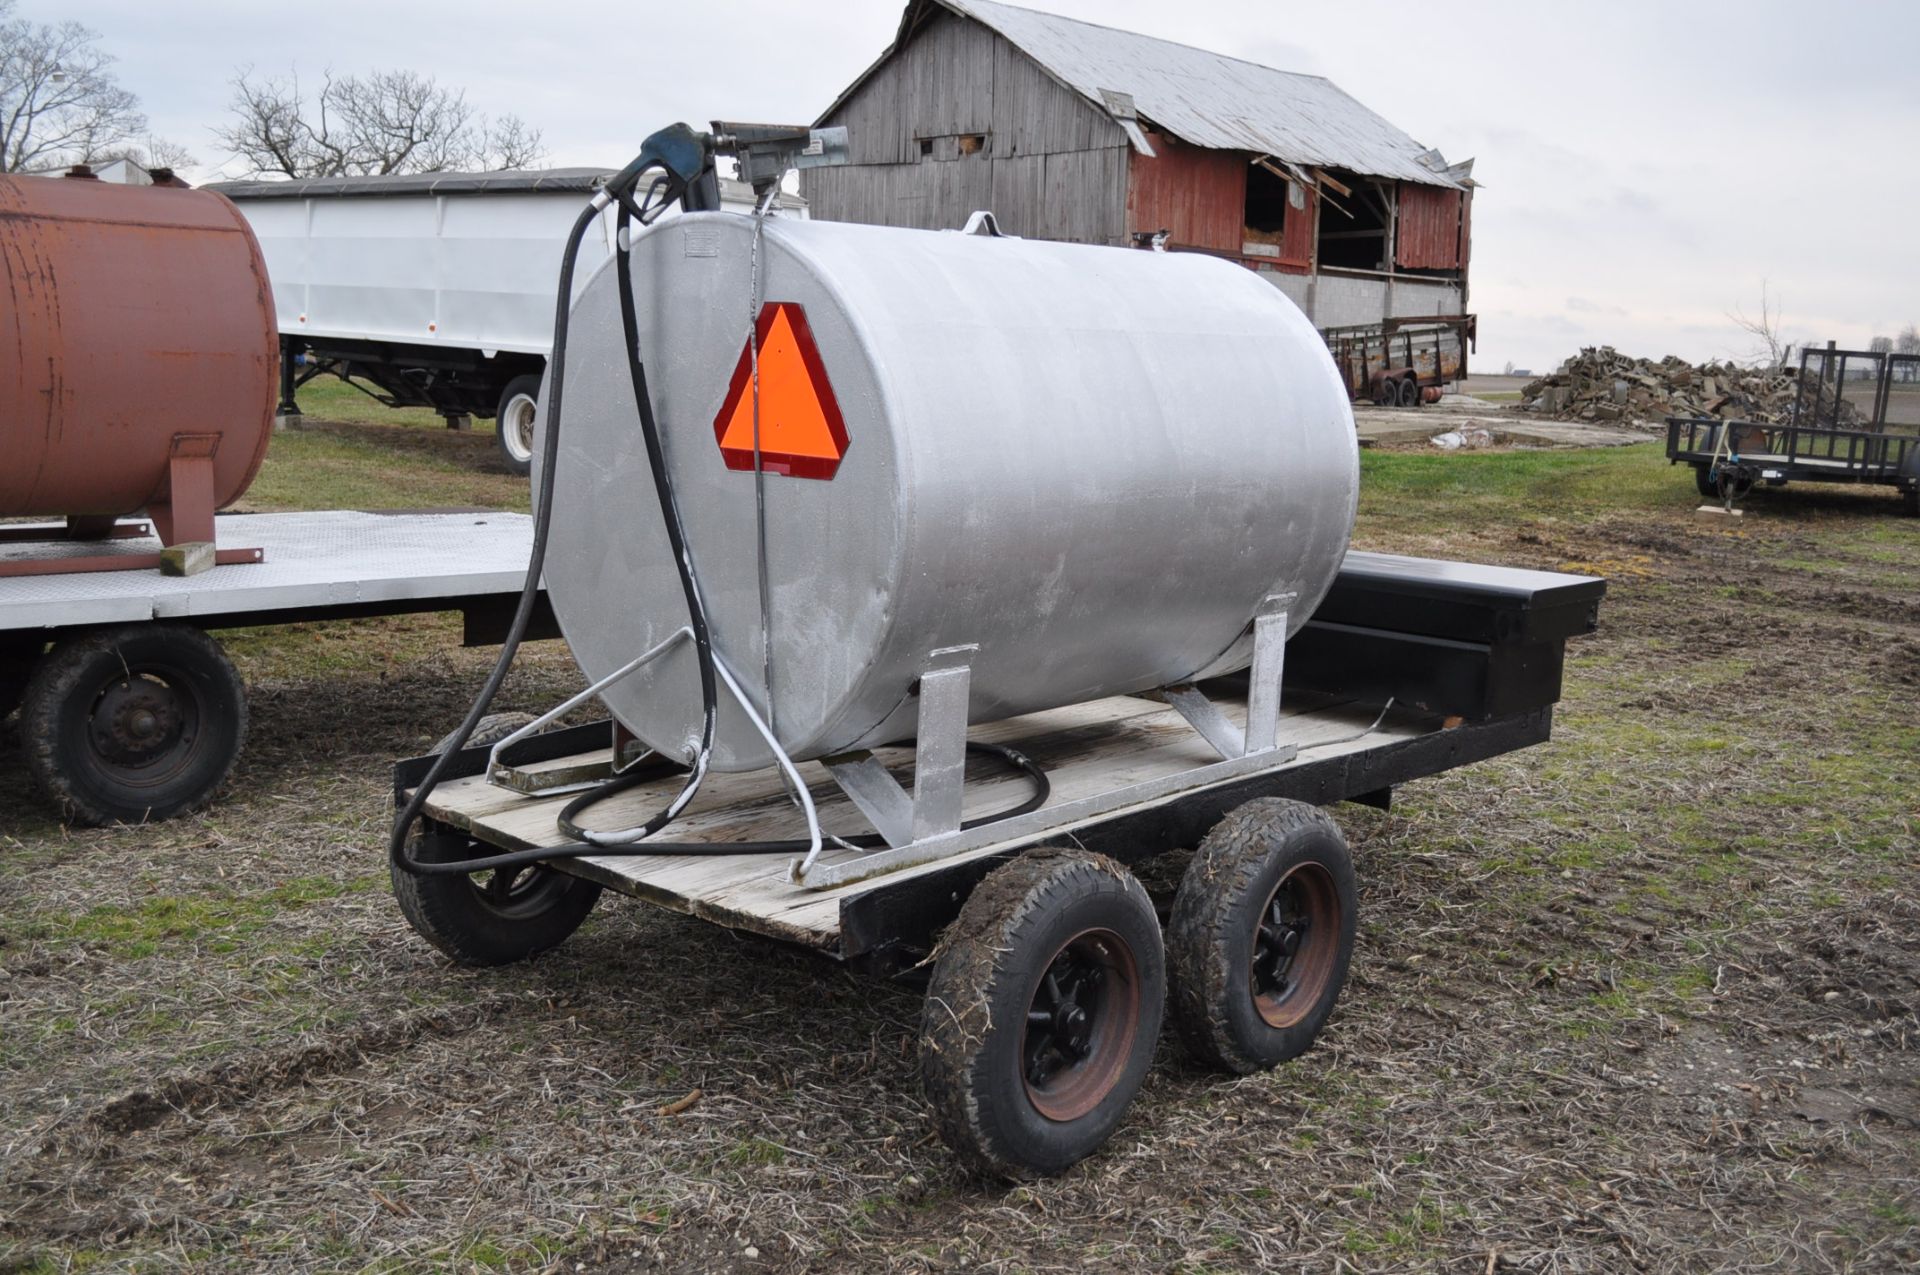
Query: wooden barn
x=1068 y=130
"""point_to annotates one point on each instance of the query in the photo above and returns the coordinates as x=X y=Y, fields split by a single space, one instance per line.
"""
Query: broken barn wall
x=1430 y=231
x=1198 y=195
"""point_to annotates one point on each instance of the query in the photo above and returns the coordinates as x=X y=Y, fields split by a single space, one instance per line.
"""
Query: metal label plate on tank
x=802 y=433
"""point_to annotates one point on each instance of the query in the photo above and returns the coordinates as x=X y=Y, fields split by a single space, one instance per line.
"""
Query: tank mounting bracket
x=1263 y=690
x=933 y=810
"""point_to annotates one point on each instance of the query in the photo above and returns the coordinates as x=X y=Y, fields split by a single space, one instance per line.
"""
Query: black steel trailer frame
x=1475 y=652
x=1042 y=953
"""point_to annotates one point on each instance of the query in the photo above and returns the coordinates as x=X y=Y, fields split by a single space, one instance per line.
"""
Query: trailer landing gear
x=1042 y=1013
x=133 y=724
x=1261 y=935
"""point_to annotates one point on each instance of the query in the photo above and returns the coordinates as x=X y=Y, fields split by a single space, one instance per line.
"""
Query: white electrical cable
x=796 y=786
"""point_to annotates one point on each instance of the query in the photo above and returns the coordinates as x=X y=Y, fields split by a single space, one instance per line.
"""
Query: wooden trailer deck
x=1086 y=749
x=1470 y=656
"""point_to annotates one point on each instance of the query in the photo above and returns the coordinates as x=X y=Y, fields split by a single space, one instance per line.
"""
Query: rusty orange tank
x=138 y=354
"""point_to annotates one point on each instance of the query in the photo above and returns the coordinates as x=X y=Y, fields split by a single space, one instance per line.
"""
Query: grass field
x=1646 y=998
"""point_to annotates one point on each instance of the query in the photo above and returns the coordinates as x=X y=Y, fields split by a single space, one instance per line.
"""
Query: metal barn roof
x=1207 y=99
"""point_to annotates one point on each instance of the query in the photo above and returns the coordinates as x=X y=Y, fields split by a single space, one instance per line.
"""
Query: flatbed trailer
x=130 y=711
x=1409 y=668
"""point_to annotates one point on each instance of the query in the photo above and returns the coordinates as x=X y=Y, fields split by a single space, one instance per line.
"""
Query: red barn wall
x=1198 y=195
x=1432 y=228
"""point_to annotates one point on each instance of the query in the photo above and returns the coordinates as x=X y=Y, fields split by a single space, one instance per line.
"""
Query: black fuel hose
x=584 y=846
x=530 y=590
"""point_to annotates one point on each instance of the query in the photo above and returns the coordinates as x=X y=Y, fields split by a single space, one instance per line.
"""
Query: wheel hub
x=1294 y=940
x=1080 y=1025
x=137 y=721
x=1074 y=1030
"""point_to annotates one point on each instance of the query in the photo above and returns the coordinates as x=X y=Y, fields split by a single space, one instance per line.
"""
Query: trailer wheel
x=1408 y=395
x=519 y=402
x=1913 y=502
x=16 y=667
x=1705 y=483
x=494 y=917
x=133 y=724
x=1261 y=935
x=1042 y=1014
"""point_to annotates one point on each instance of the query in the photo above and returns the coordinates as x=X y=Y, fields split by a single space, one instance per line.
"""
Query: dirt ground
x=1646 y=998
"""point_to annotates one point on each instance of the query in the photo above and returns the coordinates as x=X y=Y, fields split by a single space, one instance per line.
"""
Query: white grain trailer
x=433 y=289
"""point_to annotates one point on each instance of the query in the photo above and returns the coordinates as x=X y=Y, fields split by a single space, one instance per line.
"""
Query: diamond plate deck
x=333 y=558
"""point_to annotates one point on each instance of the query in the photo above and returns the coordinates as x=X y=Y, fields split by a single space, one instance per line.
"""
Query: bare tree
x=1880 y=345
x=381 y=122
x=1908 y=342
x=1772 y=349
x=510 y=142
x=59 y=103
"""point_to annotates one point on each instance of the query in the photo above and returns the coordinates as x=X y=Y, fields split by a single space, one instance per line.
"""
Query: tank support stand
x=183 y=522
x=926 y=826
x=939 y=761
x=1263 y=690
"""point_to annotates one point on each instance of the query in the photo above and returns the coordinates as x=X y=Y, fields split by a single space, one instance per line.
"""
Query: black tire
x=513 y=422
x=16 y=669
x=1409 y=393
x=509 y=915
x=1705 y=483
x=489 y=918
x=1067 y=936
x=487 y=732
x=1261 y=935
x=1913 y=502
x=133 y=724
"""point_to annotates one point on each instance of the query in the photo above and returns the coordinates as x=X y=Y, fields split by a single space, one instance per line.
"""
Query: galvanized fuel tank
x=1092 y=463
x=131 y=315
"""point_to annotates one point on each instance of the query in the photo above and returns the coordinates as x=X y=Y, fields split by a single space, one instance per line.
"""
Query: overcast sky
x=1645 y=165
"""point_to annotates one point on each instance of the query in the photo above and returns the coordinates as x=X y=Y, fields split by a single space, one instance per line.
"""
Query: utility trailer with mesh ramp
x=1855 y=419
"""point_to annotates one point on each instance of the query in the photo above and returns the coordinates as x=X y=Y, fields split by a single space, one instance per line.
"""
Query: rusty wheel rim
x=1294 y=944
x=1081 y=1022
x=145 y=726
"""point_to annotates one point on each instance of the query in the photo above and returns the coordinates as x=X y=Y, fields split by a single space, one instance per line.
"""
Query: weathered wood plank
x=1085 y=749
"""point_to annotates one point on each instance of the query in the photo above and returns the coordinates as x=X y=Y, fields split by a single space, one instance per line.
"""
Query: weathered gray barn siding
x=1052 y=166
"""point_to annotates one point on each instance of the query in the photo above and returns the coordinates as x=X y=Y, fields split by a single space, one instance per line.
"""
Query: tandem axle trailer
x=1049 y=965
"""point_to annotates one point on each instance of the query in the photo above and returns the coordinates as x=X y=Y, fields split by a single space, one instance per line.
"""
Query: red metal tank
x=137 y=353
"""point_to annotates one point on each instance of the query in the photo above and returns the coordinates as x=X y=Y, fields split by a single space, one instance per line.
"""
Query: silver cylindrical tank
x=1093 y=463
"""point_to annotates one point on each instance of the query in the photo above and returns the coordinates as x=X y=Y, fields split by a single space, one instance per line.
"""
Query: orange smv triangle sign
x=801 y=431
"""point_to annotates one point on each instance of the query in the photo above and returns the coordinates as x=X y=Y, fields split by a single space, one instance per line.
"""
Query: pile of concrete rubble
x=1605 y=385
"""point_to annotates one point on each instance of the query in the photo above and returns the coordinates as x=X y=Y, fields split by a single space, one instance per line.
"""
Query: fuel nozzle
x=765 y=153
